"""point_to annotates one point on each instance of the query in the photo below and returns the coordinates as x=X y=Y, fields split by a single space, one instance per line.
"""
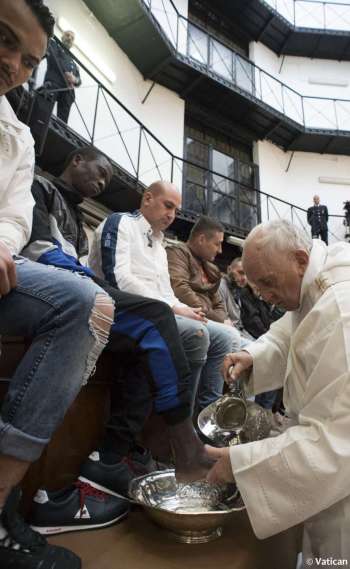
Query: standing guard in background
x=317 y=217
x=62 y=75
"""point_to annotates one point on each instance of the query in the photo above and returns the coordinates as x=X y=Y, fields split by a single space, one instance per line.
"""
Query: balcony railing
x=330 y=16
x=207 y=53
x=101 y=119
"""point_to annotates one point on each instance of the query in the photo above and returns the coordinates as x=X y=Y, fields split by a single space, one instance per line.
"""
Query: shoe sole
x=67 y=529
x=102 y=488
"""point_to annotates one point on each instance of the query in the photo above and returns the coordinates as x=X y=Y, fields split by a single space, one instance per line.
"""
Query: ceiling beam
x=191 y=85
x=265 y=27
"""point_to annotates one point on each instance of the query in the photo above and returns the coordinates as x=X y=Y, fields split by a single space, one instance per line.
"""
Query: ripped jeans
x=205 y=346
x=64 y=315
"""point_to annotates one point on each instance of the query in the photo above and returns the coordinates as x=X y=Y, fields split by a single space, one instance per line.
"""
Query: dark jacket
x=317 y=217
x=58 y=237
x=60 y=61
x=186 y=275
x=230 y=294
x=256 y=314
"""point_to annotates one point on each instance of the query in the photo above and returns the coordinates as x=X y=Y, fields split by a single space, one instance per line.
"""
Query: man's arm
x=309 y=215
x=230 y=305
x=77 y=77
x=73 y=77
x=8 y=278
x=287 y=479
x=180 y=277
x=16 y=211
x=217 y=312
x=269 y=355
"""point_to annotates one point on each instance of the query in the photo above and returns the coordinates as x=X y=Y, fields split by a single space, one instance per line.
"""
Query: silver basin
x=192 y=513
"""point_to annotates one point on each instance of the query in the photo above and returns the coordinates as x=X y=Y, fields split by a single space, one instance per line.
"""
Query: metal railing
x=201 y=49
x=272 y=208
x=102 y=120
x=330 y=16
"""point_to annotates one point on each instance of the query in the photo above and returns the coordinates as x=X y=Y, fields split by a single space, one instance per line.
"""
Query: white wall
x=298 y=185
x=162 y=113
x=301 y=183
x=297 y=71
x=311 y=78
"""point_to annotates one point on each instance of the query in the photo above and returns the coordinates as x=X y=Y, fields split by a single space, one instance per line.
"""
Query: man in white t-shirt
x=67 y=316
x=128 y=252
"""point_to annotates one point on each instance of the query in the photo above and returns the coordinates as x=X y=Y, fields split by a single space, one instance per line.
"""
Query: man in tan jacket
x=194 y=277
x=195 y=280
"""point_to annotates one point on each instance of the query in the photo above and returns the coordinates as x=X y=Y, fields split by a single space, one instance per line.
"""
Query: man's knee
x=224 y=338
x=231 y=337
x=195 y=339
x=100 y=323
x=102 y=317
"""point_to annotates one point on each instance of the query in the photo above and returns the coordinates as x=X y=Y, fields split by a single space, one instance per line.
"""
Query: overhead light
x=336 y=181
x=86 y=50
x=328 y=81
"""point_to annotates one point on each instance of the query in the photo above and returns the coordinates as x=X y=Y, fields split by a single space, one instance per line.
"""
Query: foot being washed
x=191 y=460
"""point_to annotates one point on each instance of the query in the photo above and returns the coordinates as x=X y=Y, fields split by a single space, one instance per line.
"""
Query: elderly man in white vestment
x=302 y=475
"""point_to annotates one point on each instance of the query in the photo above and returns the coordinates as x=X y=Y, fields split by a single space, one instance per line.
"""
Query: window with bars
x=218 y=183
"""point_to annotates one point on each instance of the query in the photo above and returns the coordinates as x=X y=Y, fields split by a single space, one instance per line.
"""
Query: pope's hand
x=221 y=471
x=235 y=364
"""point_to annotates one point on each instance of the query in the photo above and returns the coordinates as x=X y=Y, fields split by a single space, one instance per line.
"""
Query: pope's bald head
x=275 y=258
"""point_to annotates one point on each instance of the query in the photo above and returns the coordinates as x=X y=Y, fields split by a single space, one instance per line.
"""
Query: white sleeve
x=123 y=275
x=16 y=209
x=270 y=354
x=290 y=478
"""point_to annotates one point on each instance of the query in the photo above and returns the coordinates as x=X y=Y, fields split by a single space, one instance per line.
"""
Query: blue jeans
x=53 y=307
x=206 y=345
x=266 y=399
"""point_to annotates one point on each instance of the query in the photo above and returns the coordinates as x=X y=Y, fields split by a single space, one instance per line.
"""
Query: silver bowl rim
x=135 y=481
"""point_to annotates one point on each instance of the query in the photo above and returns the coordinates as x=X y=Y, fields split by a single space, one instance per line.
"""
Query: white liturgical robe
x=303 y=475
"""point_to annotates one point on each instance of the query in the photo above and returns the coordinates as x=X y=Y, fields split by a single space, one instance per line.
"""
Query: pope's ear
x=302 y=258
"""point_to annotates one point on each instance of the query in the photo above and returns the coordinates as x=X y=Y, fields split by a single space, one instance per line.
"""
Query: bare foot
x=195 y=469
x=191 y=460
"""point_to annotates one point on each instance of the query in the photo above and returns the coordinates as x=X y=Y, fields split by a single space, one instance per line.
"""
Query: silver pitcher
x=223 y=420
x=231 y=409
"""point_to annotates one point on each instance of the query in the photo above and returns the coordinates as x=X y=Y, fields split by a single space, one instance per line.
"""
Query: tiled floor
x=138 y=544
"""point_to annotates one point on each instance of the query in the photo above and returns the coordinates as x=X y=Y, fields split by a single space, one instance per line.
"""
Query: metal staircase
x=139 y=158
x=292 y=27
x=188 y=60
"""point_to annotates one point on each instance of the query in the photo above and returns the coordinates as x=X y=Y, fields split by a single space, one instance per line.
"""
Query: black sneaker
x=80 y=507
x=23 y=548
x=115 y=478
